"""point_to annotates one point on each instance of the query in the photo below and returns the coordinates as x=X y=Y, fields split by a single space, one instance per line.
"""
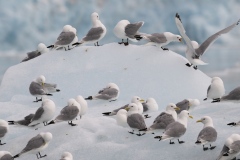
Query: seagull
x=95 y=34
x=43 y=113
x=39 y=88
x=165 y=118
x=40 y=50
x=187 y=104
x=110 y=93
x=161 y=39
x=215 y=90
x=208 y=134
x=66 y=156
x=5 y=155
x=121 y=118
x=234 y=95
x=37 y=144
x=149 y=106
x=135 y=99
x=194 y=50
x=126 y=30
x=24 y=122
x=230 y=148
x=68 y=113
x=4 y=128
x=83 y=104
x=66 y=38
x=135 y=120
x=176 y=129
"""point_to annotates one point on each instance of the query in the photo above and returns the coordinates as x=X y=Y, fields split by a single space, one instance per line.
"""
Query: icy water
x=223 y=62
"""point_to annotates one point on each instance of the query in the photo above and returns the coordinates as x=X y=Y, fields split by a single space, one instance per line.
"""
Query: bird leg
x=188 y=64
x=205 y=148
x=113 y=100
x=172 y=142
x=180 y=142
x=72 y=124
x=165 y=49
x=212 y=147
x=37 y=100
x=126 y=43
x=40 y=156
x=121 y=42
x=146 y=116
x=96 y=44
x=131 y=132
x=216 y=100
x=205 y=99
x=195 y=67
x=1 y=143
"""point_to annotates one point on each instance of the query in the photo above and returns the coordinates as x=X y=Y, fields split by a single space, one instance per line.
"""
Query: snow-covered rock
x=145 y=71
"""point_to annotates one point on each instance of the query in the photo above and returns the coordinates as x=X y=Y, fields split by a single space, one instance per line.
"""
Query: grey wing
x=131 y=29
x=224 y=150
x=33 y=143
x=38 y=114
x=29 y=117
x=207 y=134
x=203 y=47
x=68 y=113
x=183 y=33
x=233 y=95
x=65 y=38
x=162 y=121
x=3 y=131
x=123 y=107
x=33 y=54
x=175 y=129
x=157 y=38
x=235 y=146
x=107 y=93
x=6 y=157
x=136 y=121
x=93 y=34
x=145 y=107
x=36 y=89
x=183 y=105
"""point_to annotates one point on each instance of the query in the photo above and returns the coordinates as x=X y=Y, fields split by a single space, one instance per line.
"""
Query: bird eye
x=203 y=118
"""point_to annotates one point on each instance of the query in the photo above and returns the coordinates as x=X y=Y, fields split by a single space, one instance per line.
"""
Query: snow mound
x=145 y=71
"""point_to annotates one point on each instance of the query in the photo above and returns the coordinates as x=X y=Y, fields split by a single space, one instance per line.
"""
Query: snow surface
x=145 y=71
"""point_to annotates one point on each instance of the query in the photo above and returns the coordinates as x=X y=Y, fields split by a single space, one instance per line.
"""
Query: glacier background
x=25 y=24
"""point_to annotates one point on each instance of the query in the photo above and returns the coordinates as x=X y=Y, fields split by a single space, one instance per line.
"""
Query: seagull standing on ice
x=39 y=88
x=161 y=39
x=95 y=34
x=66 y=156
x=208 y=134
x=83 y=104
x=194 y=50
x=126 y=30
x=66 y=38
x=110 y=92
x=40 y=50
x=37 y=144
x=215 y=90
x=24 y=122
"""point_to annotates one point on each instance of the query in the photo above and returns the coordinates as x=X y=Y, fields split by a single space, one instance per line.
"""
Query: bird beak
x=199 y=120
x=127 y=108
x=180 y=40
x=191 y=117
x=142 y=100
x=177 y=108
x=42 y=84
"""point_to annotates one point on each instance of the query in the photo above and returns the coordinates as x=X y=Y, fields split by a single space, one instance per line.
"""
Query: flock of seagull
x=173 y=121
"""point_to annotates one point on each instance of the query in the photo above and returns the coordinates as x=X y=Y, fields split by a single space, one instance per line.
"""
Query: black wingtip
x=16 y=156
x=138 y=37
x=10 y=122
x=49 y=94
x=52 y=122
x=232 y=124
x=51 y=46
x=205 y=99
x=89 y=98
x=145 y=129
x=158 y=137
x=178 y=16
x=197 y=142
x=76 y=44
x=238 y=22
x=106 y=113
x=225 y=154
x=58 y=90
